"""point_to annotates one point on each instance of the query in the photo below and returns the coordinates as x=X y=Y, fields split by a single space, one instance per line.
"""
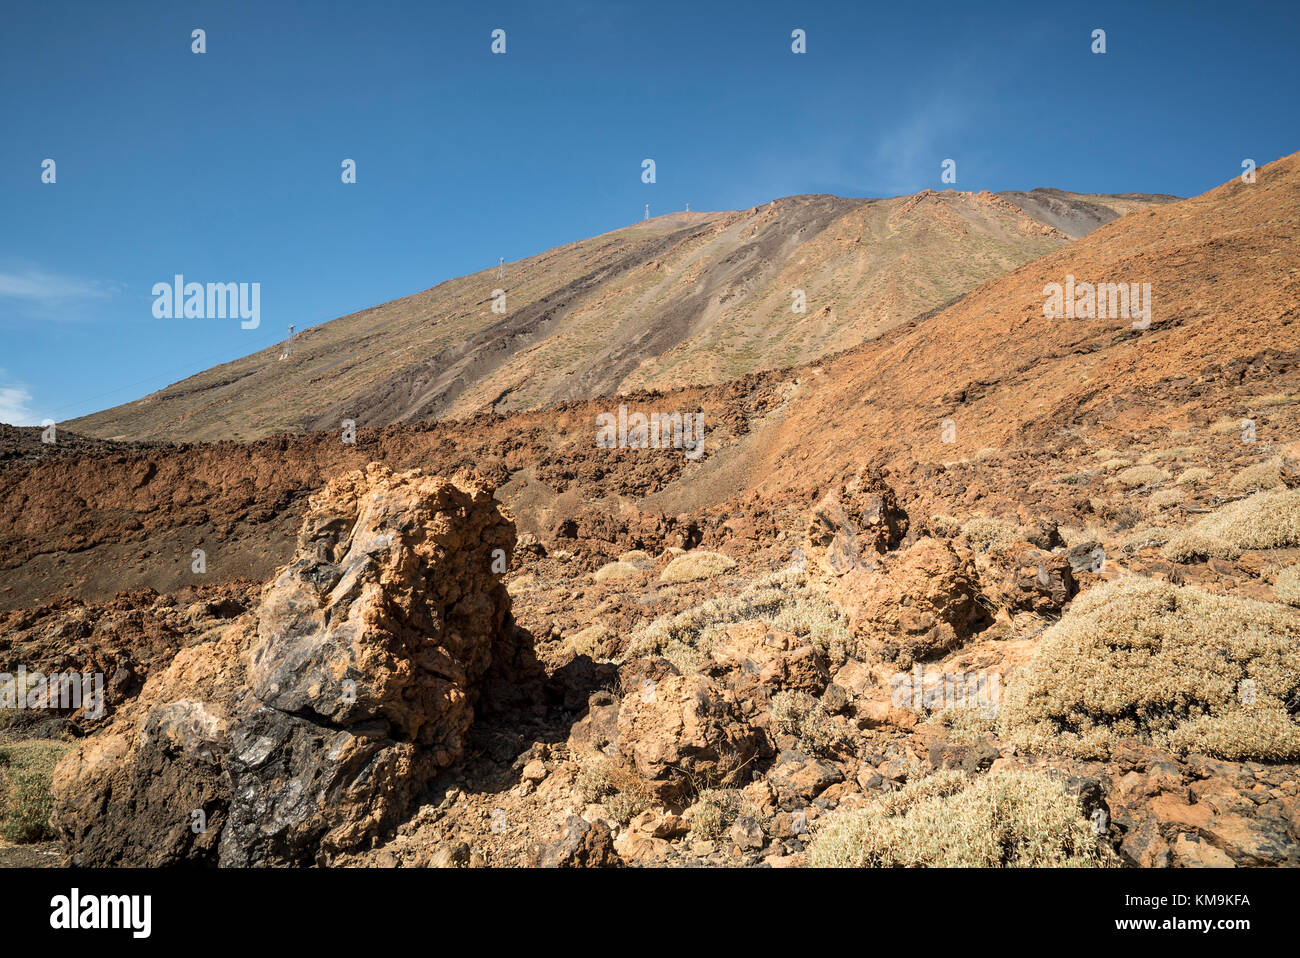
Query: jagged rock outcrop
x=310 y=725
x=1038 y=582
x=849 y=528
x=684 y=733
x=907 y=598
x=579 y=844
x=774 y=659
x=918 y=603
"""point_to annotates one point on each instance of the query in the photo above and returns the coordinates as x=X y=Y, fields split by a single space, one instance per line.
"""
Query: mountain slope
x=1223 y=343
x=684 y=298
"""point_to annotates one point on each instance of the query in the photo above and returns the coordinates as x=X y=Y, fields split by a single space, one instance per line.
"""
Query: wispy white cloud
x=15 y=406
x=908 y=155
x=39 y=286
x=897 y=149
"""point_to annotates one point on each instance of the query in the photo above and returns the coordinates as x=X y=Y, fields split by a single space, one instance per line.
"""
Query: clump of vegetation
x=944 y=527
x=26 y=797
x=1274 y=399
x=1164 y=498
x=1288 y=585
x=781 y=600
x=1195 y=474
x=620 y=790
x=696 y=565
x=1121 y=515
x=1266 y=520
x=1266 y=475
x=1136 y=476
x=715 y=810
x=1073 y=535
x=799 y=714
x=615 y=570
x=1075 y=479
x=965 y=725
x=1147 y=538
x=1007 y=818
x=598 y=641
x=991 y=535
x=1165 y=665
x=1231 y=424
x=1166 y=455
x=1110 y=465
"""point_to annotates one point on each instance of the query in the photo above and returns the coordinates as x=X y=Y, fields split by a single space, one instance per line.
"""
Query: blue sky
x=225 y=166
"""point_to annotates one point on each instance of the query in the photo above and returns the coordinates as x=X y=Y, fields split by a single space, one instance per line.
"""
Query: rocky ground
x=666 y=704
x=638 y=770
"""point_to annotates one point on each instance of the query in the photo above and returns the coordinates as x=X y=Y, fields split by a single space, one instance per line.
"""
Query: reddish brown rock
x=775 y=659
x=849 y=527
x=1038 y=582
x=689 y=733
x=920 y=603
x=311 y=725
x=579 y=844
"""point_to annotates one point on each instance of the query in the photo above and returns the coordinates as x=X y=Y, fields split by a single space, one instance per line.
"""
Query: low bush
x=1165 y=665
x=1266 y=520
x=1006 y=818
x=26 y=799
x=696 y=565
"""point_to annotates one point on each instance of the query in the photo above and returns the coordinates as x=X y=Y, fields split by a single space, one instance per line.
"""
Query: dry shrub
x=619 y=789
x=597 y=641
x=1266 y=475
x=697 y=565
x=1165 y=455
x=964 y=724
x=1116 y=513
x=1007 y=818
x=1288 y=585
x=801 y=715
x=716 y=809
x=944 y=527
x=1136 y=476
x=1274 y=399
x=781 y=600
x=1266 y=520
x=991 y=535
x=1231 y=424
x=1195 y=474
x=615 y=570
x=1075 y=479
x=1147 y=538
x=1073 y=535
x=1165 y=498
x=1166 y=665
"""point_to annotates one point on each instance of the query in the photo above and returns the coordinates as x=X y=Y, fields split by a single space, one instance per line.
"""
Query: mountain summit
x=682 y=299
